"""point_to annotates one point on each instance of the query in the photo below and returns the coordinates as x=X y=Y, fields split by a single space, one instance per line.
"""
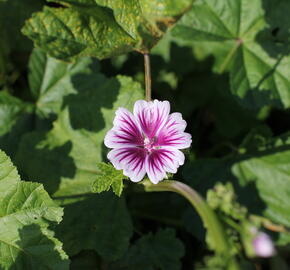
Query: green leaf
x=79 y=30
x=51 y=80
x=86 y=260
x=26 y=211
x=15 y=119
x=66 y=159
x=239 y=34
x=8 y=173
x=103 y=28
x=270 y=173
x=11 y=108
x=160 y=251
x=100 y=222
x=72 y=149
x=108 y=178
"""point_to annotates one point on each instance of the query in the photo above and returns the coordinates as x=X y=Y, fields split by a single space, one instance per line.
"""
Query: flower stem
x=208 y=216
x=147 y=76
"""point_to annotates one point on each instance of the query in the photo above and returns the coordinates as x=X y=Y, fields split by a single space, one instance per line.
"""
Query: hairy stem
x=208 y=216
x=147 y=76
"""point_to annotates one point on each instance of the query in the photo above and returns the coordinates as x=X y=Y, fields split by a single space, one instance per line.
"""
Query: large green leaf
x=59 y=87
x=66 y=159
x=261 y=178
x=103 y=28
x=26 y=211
x=270 y=173
x=160 y=251
x=100 y=222
x=72 y=149
x=239 y=34
x=51 y=80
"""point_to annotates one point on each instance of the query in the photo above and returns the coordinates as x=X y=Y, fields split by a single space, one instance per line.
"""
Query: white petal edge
x=135 y=174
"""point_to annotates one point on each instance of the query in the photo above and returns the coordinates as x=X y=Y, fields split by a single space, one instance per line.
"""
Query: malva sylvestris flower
x=147 y=141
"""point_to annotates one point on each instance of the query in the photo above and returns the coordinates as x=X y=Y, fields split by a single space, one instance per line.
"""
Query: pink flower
x=263 y=245
x=147 y=141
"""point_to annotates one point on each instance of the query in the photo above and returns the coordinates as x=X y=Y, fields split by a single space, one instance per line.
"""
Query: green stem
x=208 y=216
x=147 y=76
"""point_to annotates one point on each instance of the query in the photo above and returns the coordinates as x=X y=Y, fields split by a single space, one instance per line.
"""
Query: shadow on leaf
x=38 y=251
x=275 y=37
x=94 y=92
x=43 y=163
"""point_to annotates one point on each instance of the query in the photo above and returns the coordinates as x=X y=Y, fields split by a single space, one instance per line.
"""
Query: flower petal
x=172 y=133
x=131 y=160
x=151 y=115
x=125 y=132
x=161 y=161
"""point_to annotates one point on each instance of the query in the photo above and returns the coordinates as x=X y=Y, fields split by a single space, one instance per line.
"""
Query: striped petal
x=131 y=160
x=151 y=116
x=161 y=161
x=126 y=131
x=172 y=133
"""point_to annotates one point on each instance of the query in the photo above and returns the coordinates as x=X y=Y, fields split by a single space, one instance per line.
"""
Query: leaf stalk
x=220 y=244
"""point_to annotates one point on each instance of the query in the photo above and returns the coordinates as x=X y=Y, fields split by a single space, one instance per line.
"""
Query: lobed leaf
x=102 y=28
x=72 y=149
x=261 y=178
x=160 y=251
x=239 y=34
x=108 y=178
x=271 y=175
x=26 y=211
x=50 y=80
x=98 y=222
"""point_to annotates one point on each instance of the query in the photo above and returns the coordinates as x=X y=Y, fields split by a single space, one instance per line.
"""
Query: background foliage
x=224 y=64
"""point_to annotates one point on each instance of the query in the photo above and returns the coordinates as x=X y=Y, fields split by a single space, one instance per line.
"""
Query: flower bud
x=263 y=245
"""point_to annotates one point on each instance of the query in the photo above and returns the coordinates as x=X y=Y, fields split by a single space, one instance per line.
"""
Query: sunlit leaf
x=26 y=211
x=103 y=28
x=240 y=34
x=270 y=174
x=108 y=178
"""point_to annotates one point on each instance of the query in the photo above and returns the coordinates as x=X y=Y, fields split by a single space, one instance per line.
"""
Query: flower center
x=149 y=143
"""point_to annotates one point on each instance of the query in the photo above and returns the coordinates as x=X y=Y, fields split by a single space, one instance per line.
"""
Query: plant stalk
x=148 y=82
x=220 y=244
